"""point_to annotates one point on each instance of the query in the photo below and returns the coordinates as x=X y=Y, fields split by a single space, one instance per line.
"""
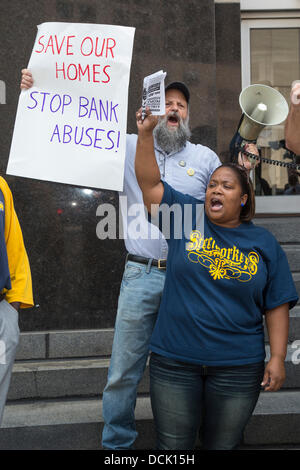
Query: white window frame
x=270 y=5
x=267 y=204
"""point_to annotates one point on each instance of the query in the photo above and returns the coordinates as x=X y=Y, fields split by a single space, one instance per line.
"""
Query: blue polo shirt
x=219 y=283
x=4 y=269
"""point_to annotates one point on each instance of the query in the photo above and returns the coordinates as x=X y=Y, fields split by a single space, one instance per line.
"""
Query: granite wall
x=228 y=74
x=76 y=276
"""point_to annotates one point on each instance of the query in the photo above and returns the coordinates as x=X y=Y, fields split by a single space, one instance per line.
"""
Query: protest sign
x=71 y=125
x=154 y=94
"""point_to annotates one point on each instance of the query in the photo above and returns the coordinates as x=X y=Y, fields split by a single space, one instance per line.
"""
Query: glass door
x=271 y=56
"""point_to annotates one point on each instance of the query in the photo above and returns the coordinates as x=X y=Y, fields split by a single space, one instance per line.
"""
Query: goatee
x=172 y=140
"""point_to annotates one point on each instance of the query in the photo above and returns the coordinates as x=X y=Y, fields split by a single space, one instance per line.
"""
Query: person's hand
x=247 y=162
x=295 y=95
x=146 y=126
x=26 y=80
x=274 y=375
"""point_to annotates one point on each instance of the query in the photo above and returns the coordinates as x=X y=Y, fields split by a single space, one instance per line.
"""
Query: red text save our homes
x=89 y=46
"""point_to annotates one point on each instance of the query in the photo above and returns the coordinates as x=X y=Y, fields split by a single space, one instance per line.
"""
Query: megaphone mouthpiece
x=259 y=112
x=262 y=107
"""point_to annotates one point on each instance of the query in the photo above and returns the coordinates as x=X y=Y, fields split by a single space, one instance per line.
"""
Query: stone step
x=278 y=226
x=294 y=329
x=296 y=278
x=42 y=379
x=77 y=424
x=65 y=344
x=62 y=378
x=65 y=425
x=276 y=419
x=293 y=255
x=93 y=343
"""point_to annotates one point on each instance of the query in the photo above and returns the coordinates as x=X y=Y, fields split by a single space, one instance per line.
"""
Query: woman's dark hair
x=248 y=210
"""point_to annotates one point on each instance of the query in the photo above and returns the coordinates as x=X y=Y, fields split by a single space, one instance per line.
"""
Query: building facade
x=216 y=48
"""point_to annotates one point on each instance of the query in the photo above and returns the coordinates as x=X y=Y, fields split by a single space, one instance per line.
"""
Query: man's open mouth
x=173 y=119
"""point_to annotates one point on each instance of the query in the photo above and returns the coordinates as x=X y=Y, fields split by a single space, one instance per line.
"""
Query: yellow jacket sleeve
x=19 y=268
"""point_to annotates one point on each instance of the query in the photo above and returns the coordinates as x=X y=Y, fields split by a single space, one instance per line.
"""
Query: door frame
x=287 y=205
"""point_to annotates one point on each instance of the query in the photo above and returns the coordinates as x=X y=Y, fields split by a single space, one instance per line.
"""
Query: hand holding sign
x=145 y=123
x=27 y=80
x=71 y=125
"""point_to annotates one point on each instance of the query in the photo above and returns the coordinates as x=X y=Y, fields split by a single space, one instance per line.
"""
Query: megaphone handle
x=293 y=166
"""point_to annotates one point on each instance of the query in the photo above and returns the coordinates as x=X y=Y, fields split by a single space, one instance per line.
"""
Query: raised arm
x=146 y=168
x=277 y=322
x=292 y=125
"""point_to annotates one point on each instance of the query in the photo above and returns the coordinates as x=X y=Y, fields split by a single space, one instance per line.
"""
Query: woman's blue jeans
x=183 y=396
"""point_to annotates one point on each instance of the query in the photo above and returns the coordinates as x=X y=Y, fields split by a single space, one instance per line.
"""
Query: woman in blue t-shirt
x=223 y=275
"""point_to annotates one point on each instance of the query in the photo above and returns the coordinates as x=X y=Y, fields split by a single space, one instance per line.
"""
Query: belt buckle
x=158 y=264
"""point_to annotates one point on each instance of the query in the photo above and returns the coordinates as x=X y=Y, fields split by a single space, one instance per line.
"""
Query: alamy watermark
x=296 y=354
x=131 y=221
x=2 y=352
x=2 y=92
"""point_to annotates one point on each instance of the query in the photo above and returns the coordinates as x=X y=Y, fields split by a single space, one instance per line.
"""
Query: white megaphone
x=261 y=106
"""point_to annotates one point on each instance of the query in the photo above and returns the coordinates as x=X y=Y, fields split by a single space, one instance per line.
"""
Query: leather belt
x=159 y=263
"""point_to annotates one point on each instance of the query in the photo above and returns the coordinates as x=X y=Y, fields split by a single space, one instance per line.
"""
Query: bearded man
x=187 y=168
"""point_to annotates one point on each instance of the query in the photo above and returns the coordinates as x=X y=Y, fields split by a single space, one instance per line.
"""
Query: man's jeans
x=183 y=395
x=139 y=300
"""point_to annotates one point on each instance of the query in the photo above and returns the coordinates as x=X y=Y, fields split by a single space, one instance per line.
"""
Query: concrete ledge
x=296 y=277
x=294 y=329
x=278 y=225
x=80 y=343
x=77 y=424
x=65 y=344
x=293 y=255
x=94 y=343
x=276 y=419
x=65 y=425
x=68 y=378
x=32 y=345
x=87 y=377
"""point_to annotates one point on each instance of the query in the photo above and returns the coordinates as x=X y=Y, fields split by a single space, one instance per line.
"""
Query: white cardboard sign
x=71 y=125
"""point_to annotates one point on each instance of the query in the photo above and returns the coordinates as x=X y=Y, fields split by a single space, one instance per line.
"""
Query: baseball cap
x=181 y=87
